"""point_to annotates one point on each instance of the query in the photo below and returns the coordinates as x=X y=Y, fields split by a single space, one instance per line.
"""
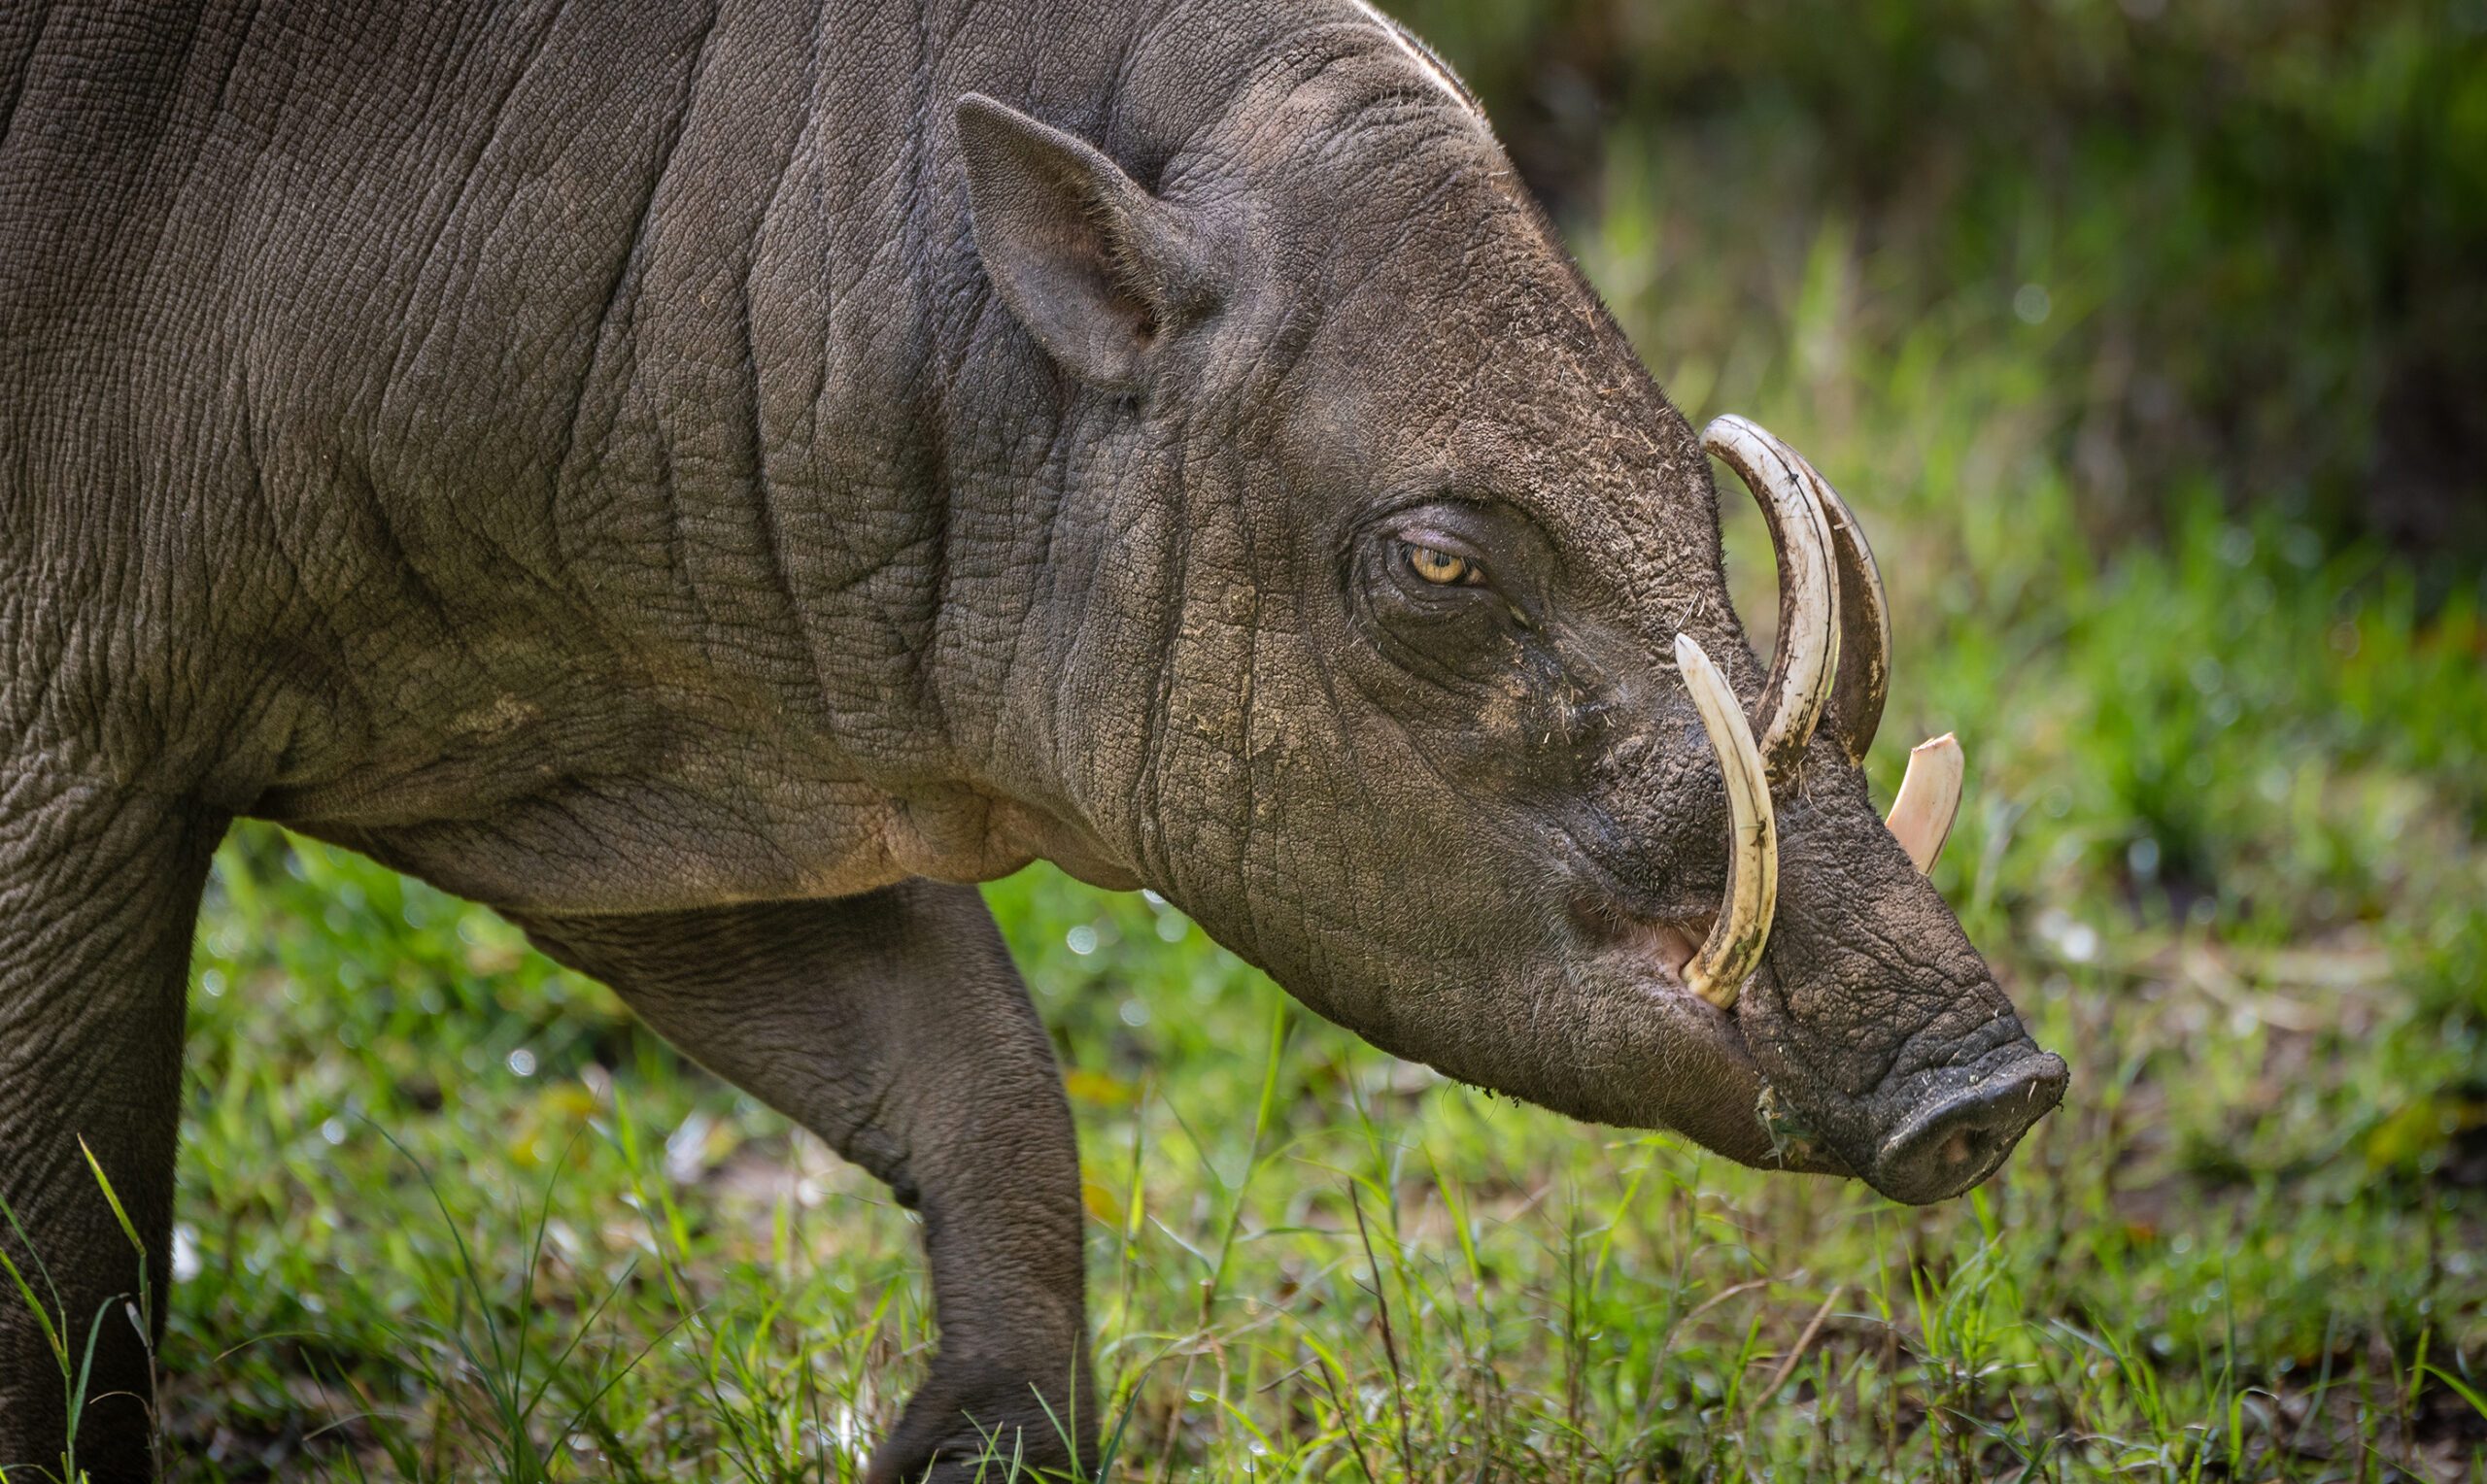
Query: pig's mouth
x=1926 y=1136
x=1655 y=952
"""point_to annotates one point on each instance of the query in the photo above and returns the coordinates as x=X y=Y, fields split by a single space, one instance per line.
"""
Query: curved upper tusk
x=1921 y=818
x=1733 y=949
x=1864 y=623
x=1807 y=663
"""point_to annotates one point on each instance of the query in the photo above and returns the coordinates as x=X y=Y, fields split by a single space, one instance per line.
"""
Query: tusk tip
x=1929 y=799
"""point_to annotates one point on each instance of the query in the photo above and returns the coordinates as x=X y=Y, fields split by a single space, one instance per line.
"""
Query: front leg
x=894 y=1027
x=99 y=888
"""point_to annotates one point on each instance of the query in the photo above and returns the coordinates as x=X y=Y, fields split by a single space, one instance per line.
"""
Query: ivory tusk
x=1806 y=666
x=1921 y=818
x=1733 y=949
x=1864 y=623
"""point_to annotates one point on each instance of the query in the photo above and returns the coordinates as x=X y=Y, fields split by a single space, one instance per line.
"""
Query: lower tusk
x=1921 y=818
x=1733 y=949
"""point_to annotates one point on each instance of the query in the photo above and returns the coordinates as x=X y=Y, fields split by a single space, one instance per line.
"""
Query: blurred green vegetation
x=2111 y=322
x=2253 y=230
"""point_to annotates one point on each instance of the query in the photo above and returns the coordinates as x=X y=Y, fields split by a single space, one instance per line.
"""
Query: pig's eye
x=1444 y=569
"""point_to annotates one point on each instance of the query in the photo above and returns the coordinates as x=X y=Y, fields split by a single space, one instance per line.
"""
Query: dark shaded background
x=2271 y=217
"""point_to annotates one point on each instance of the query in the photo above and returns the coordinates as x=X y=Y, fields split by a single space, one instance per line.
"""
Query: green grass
x=448 y=1214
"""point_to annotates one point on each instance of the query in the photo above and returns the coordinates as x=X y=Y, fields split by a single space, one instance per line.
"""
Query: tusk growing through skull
x=1806 y=666
x=1929 y=799
x=1864 y=623
x=1718 y=971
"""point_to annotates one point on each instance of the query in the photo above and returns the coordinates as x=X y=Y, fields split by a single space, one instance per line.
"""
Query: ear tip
x=988 y=127
x=981 y=117
x=975 y=112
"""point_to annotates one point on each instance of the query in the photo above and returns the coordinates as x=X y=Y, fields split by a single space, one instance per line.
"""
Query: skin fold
x=714 y=479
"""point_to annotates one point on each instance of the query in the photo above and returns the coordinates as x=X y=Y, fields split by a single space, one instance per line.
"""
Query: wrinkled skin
x=682 y=477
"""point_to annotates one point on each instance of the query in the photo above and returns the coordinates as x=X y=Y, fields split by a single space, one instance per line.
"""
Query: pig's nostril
x=1960 y=1140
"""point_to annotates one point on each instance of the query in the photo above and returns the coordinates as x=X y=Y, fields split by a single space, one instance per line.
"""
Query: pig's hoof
x=973 y=1429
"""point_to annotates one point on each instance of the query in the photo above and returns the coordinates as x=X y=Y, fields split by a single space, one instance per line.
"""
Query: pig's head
x=1387 y=634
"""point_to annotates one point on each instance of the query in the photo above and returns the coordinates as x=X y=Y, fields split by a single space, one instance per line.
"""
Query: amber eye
x=1441 y=567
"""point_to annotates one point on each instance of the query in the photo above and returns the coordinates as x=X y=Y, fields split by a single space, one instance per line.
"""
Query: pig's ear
x=1099 y=270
